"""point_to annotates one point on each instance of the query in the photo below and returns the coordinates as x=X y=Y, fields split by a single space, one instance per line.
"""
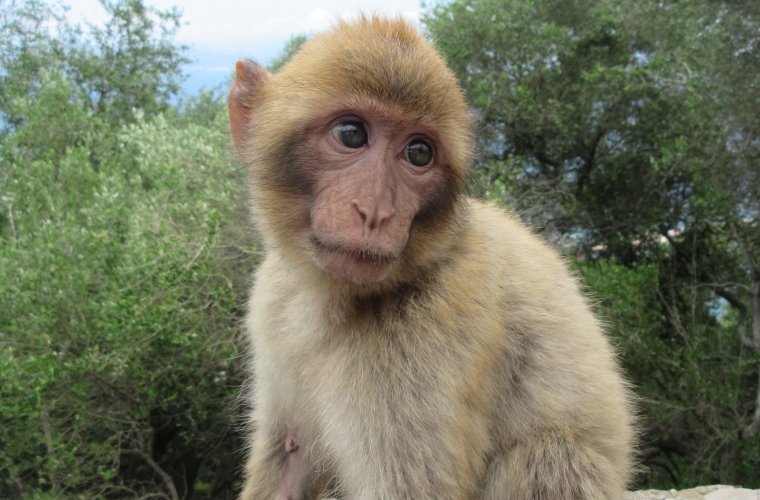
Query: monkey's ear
x=249 y=78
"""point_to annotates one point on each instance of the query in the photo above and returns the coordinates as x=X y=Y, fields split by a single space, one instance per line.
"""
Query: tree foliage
x=123 y=265
x=291 y=47
x=627 y=132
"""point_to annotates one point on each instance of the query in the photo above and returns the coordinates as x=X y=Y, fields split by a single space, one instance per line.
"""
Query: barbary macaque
x=408 y=342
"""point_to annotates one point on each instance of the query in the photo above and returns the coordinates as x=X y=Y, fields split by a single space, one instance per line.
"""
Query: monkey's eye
x=350 y=134
x=419 y=153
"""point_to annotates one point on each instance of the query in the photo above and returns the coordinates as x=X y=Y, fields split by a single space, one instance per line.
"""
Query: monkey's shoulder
x=513 y=254
x=519 y=277
x=547 y=320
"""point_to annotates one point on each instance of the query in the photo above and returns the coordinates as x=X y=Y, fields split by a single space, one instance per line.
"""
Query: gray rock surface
x=715 y=492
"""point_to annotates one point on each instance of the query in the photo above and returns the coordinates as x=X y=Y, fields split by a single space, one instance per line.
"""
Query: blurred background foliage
x=627 y=132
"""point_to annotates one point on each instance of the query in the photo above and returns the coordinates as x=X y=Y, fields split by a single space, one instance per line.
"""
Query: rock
x=715 y=492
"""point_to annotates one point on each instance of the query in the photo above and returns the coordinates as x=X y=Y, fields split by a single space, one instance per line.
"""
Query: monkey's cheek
x=347 y=267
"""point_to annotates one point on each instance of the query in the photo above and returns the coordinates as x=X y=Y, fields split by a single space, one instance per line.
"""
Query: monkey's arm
x=563 y=428
x=552 y=466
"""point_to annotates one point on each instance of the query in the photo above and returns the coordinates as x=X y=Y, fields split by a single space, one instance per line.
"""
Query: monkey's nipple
x=291 y=446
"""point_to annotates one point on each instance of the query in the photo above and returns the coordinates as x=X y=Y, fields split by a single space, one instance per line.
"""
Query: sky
x=219 y=33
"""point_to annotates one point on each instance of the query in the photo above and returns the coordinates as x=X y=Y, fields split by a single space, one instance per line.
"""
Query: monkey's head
x=358 y=151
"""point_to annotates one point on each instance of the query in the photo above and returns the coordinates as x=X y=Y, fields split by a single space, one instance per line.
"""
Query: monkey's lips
x=359 y=266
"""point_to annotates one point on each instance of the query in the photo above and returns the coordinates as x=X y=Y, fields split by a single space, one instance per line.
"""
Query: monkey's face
x=358 y=150
x=371 y=176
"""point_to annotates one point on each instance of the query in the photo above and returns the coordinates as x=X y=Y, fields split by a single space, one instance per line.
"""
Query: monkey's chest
x=384 y=359
x=374 y=386
x=373 y=379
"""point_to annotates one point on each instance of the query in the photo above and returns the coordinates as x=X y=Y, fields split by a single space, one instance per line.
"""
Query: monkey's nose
x=372 y=214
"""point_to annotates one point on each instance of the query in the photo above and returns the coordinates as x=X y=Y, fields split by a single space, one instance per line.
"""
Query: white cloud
x=318 y=20
x=219 y=33
x=90 y=11
x=273 y=27
x=244 y=21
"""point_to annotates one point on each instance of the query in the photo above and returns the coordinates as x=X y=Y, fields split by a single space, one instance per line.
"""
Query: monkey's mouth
x=363 y=256
x=357 y=265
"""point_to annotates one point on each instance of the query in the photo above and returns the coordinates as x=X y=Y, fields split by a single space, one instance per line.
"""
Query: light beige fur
x=475 y=370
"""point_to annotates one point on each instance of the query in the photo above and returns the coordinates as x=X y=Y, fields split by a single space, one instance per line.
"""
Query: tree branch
x=588 y=163
x=147 y=455
x=734 y=301
x=166 y=477
x=10 y=218
x=48 y=432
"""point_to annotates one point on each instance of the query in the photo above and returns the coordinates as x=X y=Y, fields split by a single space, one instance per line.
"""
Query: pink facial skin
x=366 y=197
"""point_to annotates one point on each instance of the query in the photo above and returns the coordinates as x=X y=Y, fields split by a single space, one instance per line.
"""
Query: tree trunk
x=754 y=427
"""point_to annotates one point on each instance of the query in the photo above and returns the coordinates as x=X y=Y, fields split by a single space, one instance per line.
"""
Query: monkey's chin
x=352 y=266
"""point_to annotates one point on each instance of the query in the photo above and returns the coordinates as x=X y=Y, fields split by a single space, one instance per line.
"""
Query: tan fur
x=474 y=371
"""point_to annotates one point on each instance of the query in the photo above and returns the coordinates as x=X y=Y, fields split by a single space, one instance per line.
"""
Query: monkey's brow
x=363 y=254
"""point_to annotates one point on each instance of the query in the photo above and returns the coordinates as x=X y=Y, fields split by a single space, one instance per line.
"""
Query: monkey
x=407 y=340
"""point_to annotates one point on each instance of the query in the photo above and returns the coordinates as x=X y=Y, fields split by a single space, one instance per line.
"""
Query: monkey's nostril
x=361 y=212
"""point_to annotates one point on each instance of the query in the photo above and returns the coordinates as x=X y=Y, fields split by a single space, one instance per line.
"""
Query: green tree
x=130 y=63
x=123 y=264
x=119 y=311
x=627 y=132
x=291 y=47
